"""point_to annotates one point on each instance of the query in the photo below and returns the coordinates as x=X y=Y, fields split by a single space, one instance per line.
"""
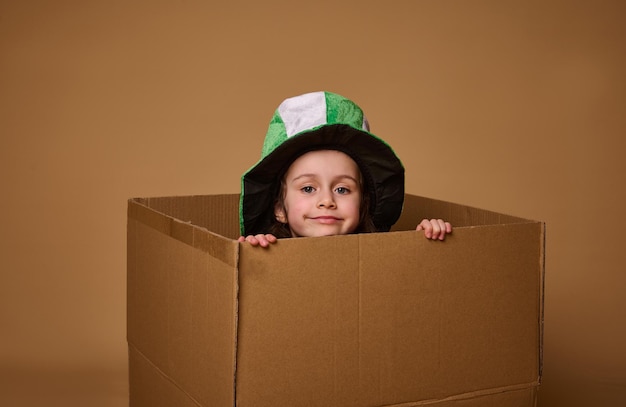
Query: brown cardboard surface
x=361 y=320
x=150 y=387
x=182 y=305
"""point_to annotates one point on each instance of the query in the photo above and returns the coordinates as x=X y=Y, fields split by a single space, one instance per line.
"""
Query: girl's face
x=322 y=195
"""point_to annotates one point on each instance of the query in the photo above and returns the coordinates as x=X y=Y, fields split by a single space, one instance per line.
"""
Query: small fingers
x=441 y=228
x=263 y=240
x=267 y=239
x=435 y=229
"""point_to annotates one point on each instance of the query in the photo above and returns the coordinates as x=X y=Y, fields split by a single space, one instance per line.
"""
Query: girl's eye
x=342 y=190
x=307 y=189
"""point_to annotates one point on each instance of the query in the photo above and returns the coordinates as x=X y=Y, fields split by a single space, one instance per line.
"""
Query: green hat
x=320 y=121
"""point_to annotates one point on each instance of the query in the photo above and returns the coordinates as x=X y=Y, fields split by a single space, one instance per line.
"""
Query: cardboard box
x=389 y=319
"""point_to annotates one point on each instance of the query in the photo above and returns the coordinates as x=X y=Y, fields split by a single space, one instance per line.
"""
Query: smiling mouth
x=326 y=219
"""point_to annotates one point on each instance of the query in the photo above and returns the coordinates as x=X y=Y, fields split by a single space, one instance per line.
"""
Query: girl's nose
x=326 y=201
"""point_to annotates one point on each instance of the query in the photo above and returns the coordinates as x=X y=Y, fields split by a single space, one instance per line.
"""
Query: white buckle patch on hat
x=303 y=112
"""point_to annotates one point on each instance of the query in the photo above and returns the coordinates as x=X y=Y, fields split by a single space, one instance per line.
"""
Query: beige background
x=514 y=106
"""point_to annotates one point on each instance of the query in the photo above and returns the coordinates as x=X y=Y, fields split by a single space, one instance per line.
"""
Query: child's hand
x=435 y=228
x=258 y=240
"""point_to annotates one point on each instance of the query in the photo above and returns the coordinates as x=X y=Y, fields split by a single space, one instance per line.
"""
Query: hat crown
x=307 y=112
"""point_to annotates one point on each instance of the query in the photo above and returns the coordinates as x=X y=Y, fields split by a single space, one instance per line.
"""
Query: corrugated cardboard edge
x=199 y=238
x=417 y=207
x=185 y=232
x=236 y=336
x=542 y=288
x=472 y=395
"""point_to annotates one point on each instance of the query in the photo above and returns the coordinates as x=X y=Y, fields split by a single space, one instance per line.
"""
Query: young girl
x=323 y=173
